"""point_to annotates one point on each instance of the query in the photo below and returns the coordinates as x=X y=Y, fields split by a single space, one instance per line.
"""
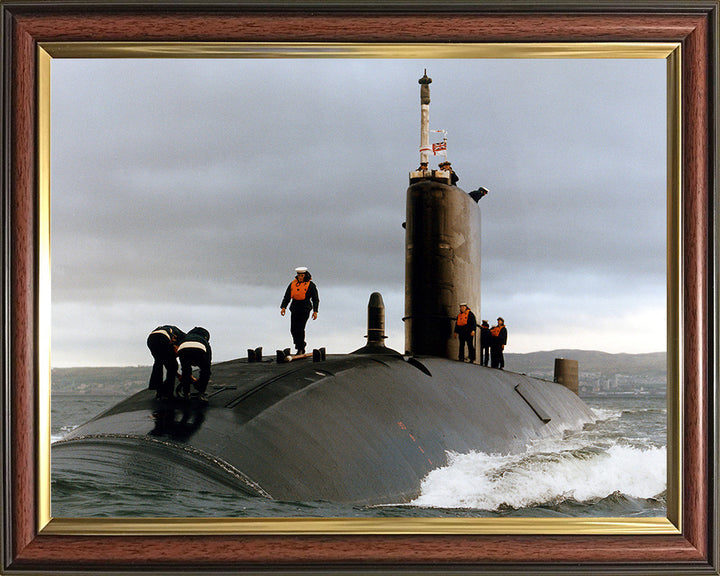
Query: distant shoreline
x=602 y=375
x=558 y=353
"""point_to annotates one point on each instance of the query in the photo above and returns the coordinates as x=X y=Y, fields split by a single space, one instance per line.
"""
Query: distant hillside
x=600 y=373
x=590 y=361
x=121 y=381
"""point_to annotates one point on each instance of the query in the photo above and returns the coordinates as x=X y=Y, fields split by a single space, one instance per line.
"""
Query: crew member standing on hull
x=304 y=295
x=485 y=339
x=465 y=325
x=497 y=344
x=163 y=343
x=195 y=350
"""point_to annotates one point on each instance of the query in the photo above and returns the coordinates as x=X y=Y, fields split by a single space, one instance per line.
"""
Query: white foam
x=602 y=414
x=489 y=481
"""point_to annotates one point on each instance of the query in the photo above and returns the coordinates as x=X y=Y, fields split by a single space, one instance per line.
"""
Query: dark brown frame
x=25 y=24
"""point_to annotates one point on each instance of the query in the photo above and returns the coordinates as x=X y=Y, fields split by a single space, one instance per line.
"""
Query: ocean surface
x=615 y=467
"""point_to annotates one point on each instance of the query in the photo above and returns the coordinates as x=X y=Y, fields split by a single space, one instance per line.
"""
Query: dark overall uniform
x=162 y=343
x=304 y=297
x=485 y=338
x=499 y=339
x=465 y=325
x=195 y=350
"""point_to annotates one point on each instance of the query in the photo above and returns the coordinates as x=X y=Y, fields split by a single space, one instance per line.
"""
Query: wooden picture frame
x=30 y=546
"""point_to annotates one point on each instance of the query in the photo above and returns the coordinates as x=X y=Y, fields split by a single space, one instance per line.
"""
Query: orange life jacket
x=496 y=330
x=298 y=290
x=462 y=318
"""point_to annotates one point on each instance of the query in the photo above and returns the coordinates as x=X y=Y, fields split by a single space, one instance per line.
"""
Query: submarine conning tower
x=442 y=252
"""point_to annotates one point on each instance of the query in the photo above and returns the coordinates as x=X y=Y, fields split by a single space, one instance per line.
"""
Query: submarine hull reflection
x=354 y=428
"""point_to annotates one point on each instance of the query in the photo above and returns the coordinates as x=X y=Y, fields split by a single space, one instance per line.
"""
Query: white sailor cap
x=300 y=269
x=463 y=303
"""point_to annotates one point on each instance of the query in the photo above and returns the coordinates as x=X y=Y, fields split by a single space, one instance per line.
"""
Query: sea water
x=615 y=467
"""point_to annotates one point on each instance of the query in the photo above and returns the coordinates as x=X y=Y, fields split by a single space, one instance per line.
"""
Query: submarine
x=363 y=428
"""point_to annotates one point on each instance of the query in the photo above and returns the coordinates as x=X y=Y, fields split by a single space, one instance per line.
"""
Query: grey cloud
x=199 y=179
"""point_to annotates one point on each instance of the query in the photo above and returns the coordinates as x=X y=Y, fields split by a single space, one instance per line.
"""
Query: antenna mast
x=424 y=117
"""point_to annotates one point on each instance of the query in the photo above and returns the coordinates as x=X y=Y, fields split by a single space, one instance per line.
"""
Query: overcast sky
x=186 y=192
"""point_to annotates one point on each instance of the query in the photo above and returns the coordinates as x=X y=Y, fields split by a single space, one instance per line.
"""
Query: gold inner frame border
x=671 y=524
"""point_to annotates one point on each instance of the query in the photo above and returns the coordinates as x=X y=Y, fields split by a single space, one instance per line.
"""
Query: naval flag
x=439 y=148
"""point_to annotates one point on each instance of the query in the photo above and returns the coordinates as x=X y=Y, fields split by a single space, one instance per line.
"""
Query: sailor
x=497 y=344
x=163 y=343
x=485 y=338
x=465 y=325
x=304 y=295
x=447 y=167
x=194 y=350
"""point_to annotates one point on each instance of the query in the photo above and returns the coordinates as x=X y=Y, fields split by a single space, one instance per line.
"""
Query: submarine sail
x=442 y=263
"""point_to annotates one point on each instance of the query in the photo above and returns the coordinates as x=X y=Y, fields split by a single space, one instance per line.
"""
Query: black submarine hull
x=355 y=428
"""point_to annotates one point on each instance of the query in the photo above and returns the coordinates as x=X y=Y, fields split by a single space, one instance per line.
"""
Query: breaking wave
x=622 y=458
x=538 y=478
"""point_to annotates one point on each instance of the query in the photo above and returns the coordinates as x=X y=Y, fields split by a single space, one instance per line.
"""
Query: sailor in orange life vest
x=465 y=325
x=304 y=295
x=497 y=344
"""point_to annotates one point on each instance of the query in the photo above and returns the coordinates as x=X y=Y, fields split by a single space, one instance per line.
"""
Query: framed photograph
x=59 y=46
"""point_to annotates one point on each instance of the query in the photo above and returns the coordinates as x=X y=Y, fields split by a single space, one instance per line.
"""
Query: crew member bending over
x=163 y=343
x=195 y=350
